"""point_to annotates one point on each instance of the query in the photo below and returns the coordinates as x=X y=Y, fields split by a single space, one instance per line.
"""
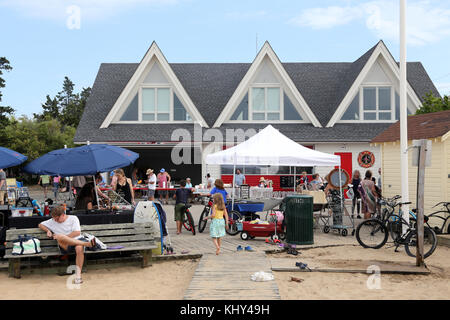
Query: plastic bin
x=298 y=213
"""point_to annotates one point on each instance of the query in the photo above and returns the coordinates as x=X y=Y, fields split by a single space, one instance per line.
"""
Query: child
x=181 y=195
x=218 y=225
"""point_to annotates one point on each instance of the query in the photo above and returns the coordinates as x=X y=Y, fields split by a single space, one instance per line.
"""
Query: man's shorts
x=71 y=249
x=162 y=192
x=151 y=193
x=179 y=212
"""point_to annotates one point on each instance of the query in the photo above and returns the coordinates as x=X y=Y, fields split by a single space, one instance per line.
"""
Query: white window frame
x=376 y=110
x=265 y=87
x=250 y=105
x=156 y=88
x=171 y=106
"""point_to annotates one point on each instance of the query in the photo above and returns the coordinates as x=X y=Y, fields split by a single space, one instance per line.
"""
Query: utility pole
x=403 y=114
x=420 y=201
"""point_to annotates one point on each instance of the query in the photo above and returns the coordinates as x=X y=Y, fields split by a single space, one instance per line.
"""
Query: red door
x=346 y=164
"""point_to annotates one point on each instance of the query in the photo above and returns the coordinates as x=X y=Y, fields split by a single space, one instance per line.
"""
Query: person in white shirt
x=209 y=181
x=151 y=184
x=66 y=230
x=188 y=183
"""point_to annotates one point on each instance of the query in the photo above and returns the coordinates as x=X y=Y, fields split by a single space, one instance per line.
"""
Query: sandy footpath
x=164 y=280
x=352 y=286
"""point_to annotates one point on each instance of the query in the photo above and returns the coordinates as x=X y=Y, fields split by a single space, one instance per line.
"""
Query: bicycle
x=233 y=217
x=188 y=221
x=436 y=215
x=373 y=233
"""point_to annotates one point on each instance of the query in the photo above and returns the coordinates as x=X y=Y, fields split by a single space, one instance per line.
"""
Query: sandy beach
x=353 y=286
x=168 y=279
x=164 y=280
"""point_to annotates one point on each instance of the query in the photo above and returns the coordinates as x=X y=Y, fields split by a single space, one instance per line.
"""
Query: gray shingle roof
x=210 y=86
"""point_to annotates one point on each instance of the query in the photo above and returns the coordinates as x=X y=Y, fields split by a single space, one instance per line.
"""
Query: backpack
x=26 y=245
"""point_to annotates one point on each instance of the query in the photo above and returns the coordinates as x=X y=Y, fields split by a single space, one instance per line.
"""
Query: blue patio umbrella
x=82 y=161
x=10 y=158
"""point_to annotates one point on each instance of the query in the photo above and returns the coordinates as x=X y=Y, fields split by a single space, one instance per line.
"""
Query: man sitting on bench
x=66 y=230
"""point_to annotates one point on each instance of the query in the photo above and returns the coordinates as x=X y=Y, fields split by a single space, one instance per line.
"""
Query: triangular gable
x=155 y=62
x=265 y=68
x=380 y=54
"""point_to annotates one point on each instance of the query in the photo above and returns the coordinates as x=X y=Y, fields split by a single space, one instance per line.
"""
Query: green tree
x=50 y=110
x=35 y=138
x=67 y=106
x=72 y=112
x=5 y=111
x=432 y=103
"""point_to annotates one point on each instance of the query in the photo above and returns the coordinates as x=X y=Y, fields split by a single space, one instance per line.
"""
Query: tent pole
x=96 y=195
x=234 y=181
x=295 y=184
x=340 y=189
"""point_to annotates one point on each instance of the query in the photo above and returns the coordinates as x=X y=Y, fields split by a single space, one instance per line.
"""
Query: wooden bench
x=132 y=236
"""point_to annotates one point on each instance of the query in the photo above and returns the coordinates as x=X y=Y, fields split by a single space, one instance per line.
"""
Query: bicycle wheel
x=395 y=227
x=371 y=234
x=429 y=242
x=202 y=223
x=188 y=222
x=233 y=217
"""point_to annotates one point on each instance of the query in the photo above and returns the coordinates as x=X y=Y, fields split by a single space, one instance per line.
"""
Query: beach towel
x=99 y=245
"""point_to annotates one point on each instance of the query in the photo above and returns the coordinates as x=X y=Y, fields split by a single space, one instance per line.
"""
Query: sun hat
x=162 y=170
x=149 y=171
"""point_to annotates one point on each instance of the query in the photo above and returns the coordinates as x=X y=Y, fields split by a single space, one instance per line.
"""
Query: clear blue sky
x=43 y=43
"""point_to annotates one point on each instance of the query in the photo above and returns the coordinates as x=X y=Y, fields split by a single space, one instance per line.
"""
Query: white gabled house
x=331 y=107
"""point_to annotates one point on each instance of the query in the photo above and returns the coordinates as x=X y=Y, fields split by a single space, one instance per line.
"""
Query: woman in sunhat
x=262 y=183
x=151 y=184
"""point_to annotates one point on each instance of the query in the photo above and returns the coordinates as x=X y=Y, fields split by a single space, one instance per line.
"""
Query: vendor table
x=125 y=216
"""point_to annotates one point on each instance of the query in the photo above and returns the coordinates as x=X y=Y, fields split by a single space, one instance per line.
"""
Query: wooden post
x=14 y=268
x=420 y=201
x=146 y=258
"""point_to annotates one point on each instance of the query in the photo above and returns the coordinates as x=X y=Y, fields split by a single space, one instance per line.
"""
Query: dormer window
x=374 y=103
x=266 y=103
x=377 y=103
x=155 y=104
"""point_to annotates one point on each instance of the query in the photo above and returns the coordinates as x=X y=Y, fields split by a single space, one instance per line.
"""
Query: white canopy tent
x=270 y=147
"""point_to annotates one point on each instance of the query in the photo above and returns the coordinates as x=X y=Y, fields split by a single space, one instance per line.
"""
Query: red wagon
x=251 y=230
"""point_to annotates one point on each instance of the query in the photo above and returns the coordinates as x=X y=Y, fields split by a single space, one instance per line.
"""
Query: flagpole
x=403 y=115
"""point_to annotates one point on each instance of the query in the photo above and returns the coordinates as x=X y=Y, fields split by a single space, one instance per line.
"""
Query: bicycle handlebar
x=446 y=204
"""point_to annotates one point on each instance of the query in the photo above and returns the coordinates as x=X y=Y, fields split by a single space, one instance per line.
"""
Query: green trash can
x=298 y=215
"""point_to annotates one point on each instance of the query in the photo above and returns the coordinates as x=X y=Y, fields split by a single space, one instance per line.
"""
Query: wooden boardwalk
x=227 y=277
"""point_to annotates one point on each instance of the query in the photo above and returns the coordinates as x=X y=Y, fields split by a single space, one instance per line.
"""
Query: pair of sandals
x=302 y=266
x=293 y=251
x=169 y=249
x=247 y=248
